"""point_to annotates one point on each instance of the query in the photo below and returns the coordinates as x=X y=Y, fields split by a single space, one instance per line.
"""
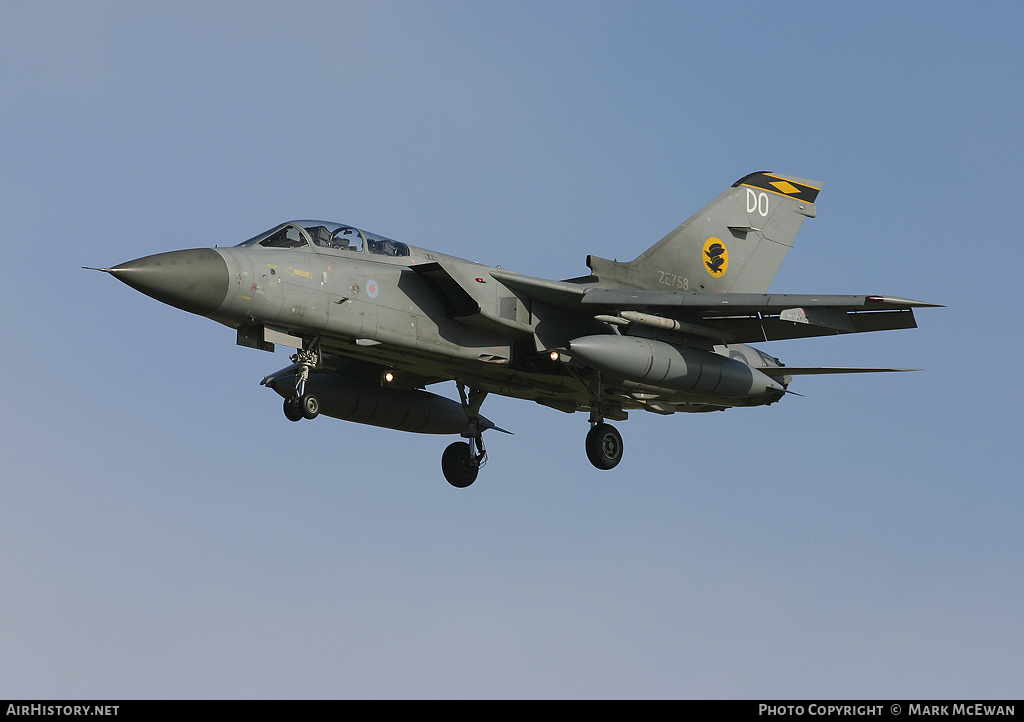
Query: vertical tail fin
x=735 y=243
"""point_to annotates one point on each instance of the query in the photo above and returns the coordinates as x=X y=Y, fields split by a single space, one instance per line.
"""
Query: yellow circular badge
x=716 y=257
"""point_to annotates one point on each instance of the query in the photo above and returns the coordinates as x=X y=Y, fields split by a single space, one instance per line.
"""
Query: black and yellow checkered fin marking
x=778 y=184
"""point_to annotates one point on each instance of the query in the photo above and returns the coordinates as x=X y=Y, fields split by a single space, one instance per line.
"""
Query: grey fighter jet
x=375 y=321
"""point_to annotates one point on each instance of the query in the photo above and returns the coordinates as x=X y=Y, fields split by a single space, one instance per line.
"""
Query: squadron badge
x=716 y=257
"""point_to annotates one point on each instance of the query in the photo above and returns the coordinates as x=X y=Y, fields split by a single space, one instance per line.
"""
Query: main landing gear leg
x=461 y=461
x=301 y=405
x=604 y=444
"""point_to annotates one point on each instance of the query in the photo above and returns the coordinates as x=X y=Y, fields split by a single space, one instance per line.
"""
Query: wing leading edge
x=751 y=317
x=738 y=317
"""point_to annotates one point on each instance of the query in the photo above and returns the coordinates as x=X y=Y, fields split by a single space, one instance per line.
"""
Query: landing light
x=388 y=377
x=554 y=355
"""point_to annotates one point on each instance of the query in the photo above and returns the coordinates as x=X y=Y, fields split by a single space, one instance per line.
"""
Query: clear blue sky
x=165 y=532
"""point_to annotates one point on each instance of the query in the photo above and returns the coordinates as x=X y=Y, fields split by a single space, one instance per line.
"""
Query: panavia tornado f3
x=375 y=321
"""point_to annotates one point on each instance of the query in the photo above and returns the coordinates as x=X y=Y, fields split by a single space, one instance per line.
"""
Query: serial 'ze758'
x=374 y=321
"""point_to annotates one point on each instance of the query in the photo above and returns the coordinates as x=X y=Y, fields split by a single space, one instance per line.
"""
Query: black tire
x=309 y=406
x=458 y=465
x=604 y=446
x=291 y=409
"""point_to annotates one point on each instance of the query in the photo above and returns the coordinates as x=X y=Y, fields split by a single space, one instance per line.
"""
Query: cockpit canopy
x=327 y=235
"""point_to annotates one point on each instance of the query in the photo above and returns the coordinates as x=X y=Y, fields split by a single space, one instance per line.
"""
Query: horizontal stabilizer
x=777 y=371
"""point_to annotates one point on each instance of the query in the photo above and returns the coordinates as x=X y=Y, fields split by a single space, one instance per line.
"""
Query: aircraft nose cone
x=195 y=280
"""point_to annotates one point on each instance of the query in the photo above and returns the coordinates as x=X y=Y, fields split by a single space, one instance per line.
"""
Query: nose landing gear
x=302 y=405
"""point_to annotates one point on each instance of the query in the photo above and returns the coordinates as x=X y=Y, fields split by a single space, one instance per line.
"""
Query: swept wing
x=733 y=317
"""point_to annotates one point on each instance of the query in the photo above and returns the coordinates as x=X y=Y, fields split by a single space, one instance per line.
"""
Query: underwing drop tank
x=680 y=368
x=367 y=402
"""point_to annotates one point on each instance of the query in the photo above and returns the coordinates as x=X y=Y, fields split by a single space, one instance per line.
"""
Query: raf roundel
x=372 y=289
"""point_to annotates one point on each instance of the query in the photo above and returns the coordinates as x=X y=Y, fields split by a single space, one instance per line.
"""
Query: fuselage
x=435 y=317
